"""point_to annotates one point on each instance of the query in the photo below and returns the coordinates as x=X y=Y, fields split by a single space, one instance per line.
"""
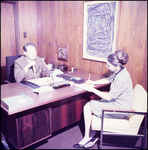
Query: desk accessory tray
x=60 y=86
x=16 y=102
x=57 y=85
x=43 y=89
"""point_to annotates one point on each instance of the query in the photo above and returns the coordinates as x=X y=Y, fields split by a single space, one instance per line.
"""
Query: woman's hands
x=90 y=82
x=89 y=86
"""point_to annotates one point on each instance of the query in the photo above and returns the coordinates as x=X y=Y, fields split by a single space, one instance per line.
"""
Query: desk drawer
x=33 y=126
x=67 y=112
x=28 y=127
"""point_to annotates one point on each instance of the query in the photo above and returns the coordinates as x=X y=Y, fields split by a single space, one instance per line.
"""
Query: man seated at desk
x=30 y=66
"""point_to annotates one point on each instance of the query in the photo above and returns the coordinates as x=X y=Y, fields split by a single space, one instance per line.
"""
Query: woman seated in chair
x=119 y=96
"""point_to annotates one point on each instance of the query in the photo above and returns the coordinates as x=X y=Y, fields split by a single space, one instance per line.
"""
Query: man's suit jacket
x=40 y=69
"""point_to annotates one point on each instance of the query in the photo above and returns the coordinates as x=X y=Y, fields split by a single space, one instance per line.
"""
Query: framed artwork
x=63 y=54
x=100 y=29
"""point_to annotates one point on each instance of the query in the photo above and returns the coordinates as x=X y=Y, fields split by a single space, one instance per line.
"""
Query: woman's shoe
x=80 y=145
x=92 y=142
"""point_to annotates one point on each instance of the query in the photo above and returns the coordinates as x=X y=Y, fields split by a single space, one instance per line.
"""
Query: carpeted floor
x=65 y=138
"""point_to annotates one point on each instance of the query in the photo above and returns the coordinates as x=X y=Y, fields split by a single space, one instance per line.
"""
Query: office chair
x=125 y=127
x=10 y=68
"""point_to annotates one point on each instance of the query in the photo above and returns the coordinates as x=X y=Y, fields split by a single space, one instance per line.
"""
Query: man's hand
x=31 y=63
x=56 y=72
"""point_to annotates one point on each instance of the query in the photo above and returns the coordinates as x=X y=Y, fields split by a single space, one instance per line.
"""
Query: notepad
x=44 y=81
x=16 y=102
x=43 y=89
x=83 y=86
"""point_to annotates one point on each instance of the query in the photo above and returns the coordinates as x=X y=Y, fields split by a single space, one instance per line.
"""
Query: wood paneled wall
x=7 y=32
x=51 y=24
x=133 y=39
x=27 y=23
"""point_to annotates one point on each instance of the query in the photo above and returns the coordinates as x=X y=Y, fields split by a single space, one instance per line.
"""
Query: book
x=16 y=102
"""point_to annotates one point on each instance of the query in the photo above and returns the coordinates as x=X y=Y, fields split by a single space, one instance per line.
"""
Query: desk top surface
x=14 y=89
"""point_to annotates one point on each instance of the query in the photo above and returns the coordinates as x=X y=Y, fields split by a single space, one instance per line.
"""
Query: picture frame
x=63 y=53
x=100 y=29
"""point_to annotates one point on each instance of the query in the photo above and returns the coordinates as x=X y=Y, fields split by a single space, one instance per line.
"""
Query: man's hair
x=28 y=45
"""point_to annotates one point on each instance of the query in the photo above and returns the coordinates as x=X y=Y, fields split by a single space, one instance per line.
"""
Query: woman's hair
x=27 y=45
x=118 y=58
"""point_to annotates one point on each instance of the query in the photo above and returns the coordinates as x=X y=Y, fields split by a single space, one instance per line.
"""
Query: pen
x=89 y=77
x=53 y=79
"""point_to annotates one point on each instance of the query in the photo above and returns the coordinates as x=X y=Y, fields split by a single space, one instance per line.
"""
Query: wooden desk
x=50 y=112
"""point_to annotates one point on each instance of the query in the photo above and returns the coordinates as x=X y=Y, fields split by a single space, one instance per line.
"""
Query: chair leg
x=143 y=142
x=145 y=130
x=101 y=139
x=101 y=133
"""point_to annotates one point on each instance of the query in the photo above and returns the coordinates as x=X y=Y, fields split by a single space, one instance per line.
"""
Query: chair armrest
x=118 y=110
x=122 y=110
x=6 y=81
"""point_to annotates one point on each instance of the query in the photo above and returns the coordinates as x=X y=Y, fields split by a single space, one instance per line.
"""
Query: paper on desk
x=84 y=86
x=45 y=81
x=16 y=102
x=43 y=89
